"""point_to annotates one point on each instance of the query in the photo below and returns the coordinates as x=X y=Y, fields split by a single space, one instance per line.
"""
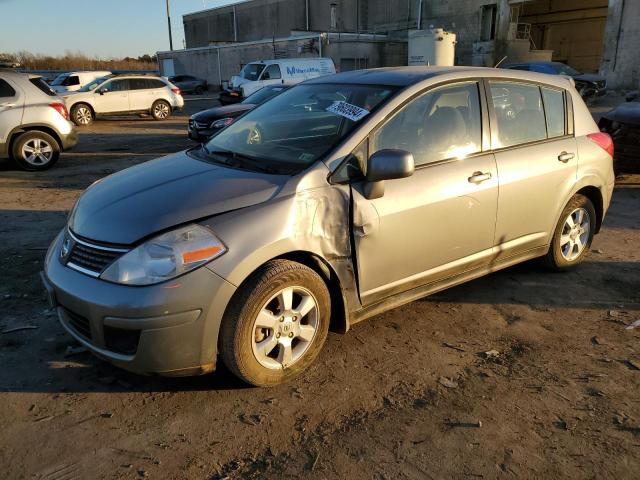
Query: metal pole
x=419 y=15
x=169 y=24
x=306 y=11
x=235 y=25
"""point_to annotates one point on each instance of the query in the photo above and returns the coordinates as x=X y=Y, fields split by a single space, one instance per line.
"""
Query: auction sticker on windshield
x=344 y=109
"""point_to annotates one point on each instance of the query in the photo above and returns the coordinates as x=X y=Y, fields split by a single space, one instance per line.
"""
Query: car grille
x=79 y=324
x=90 y=258
x=197 y=125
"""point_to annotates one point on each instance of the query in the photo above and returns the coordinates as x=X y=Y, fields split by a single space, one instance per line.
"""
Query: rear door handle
x=566 y=156
x=479 y=177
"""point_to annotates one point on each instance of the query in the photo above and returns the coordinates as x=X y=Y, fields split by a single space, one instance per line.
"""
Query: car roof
x=406 y=76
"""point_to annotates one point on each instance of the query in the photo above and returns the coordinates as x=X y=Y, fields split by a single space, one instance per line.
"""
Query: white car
x=73 y=81
x=124 y=94
x=256 y=75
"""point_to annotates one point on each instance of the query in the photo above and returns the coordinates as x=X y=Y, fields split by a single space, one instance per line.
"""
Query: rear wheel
x=82 y=115
x=35 y=150
x=160 y=110
x=573 y=234
x=276 y=323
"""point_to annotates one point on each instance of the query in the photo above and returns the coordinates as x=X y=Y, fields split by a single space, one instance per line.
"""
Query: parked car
x=207 y=122
x=623 y=124
x=189 y=84
x=34 y=122
x=290 y=71
x=332 y=202
x=124 y=94
x=73 y=81
x=588 y=84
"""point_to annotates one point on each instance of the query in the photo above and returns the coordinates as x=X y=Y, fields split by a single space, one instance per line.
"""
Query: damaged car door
x=440 y=221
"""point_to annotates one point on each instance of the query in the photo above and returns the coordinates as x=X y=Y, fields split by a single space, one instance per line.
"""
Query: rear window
x=43 y=86
x=554 y=109
x=6 y=90
x=519 y=113
x=154 y=83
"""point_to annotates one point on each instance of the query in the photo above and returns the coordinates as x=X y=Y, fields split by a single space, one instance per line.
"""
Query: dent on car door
x=441 y=220
x=537 y=159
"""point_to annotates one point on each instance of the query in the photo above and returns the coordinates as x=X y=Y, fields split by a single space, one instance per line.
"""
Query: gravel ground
x=408 y=394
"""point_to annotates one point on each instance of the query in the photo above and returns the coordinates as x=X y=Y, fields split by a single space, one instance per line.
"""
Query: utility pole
x=169 y=24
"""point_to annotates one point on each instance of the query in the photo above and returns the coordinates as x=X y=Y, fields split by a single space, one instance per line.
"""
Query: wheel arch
x=339 y=312
x=595 y=196
x=16 y=132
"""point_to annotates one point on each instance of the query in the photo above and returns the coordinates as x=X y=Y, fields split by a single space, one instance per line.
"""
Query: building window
x=488 y=22
x=348 y=64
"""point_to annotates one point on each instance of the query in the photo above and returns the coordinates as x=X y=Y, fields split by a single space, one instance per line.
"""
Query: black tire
x=199 y=90
x=82 y=114
x=563 y=252
x=35 y=150
x=160 y=110
x=238 y=331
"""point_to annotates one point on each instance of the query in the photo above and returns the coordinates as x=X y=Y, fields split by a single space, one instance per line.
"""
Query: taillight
x=61 y=108
x=176 y=90
x=603 y=140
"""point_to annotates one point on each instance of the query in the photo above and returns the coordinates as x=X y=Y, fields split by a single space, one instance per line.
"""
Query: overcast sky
x=106 y=28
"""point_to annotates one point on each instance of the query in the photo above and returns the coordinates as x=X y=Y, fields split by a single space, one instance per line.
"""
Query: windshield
x=563 y=69
x=60 y=78
x=263 y=95
x=294 y=129
x=93 y=85
x=251 y=71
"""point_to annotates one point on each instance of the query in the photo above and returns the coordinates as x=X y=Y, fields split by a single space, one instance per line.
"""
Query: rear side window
x=154 y=83
x=71 y=80
x=555 y=111
x=43 y=86
x=6 y=90
x=441 y=124
x=519 y=113
x=138 y=84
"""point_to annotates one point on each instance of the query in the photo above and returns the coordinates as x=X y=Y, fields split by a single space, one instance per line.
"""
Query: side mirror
x=386 y=165
x=101 y=91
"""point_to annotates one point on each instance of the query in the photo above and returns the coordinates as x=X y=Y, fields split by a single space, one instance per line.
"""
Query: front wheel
x=276 y=324
x=573 y=234
x=160 y=110
x=82 y=115
x=35 y=150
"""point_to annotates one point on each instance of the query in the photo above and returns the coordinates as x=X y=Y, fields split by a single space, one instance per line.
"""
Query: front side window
x=116 y=86
x=251 y=71
x=554 y=109
x=93 y=85
x=272 y=73
x=441 y=124
x=300 y=125
x=519 y=113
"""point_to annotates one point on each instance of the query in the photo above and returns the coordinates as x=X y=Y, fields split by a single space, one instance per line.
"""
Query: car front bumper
x=167 y=329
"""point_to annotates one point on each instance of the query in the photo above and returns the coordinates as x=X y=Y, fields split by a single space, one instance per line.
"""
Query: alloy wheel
x=161 y=110
x=285 y=327
x=37 y=152
x=83 y=115
x=575 y=234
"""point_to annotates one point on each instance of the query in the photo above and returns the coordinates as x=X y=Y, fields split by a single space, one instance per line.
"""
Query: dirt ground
x=407 y=394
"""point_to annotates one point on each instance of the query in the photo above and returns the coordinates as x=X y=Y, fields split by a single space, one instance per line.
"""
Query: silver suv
x=124 y=94
x=34 y=122
x=332 y=202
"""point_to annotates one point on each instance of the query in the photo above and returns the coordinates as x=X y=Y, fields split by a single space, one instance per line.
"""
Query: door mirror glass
x=389 y=164
x=102 y=90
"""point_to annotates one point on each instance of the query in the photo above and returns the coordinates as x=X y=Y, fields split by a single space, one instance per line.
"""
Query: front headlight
x=166 y=256
x=223 y=122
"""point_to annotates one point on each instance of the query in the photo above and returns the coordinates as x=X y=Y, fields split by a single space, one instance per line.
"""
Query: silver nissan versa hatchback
x=338 y=199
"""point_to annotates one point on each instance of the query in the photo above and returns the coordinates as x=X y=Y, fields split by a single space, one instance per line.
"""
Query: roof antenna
x=501 y=60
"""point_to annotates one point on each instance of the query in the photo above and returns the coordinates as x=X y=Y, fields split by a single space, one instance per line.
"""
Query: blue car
x=588 y=84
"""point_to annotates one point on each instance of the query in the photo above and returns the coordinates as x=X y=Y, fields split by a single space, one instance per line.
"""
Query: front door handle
x=564 y=157
x=479 y=177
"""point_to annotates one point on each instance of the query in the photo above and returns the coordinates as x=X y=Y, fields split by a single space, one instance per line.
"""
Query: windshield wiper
x=240 y=159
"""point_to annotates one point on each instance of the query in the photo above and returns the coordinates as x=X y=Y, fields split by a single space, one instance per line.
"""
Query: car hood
x=222 y=112
x=627 y=113
x=154 y=196
x=588 y=77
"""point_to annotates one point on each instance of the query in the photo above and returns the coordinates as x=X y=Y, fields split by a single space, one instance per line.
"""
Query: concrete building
x=373 y=33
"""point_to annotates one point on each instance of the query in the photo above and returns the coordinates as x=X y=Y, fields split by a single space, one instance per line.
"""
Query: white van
x=72 y=81
x=289 y=71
